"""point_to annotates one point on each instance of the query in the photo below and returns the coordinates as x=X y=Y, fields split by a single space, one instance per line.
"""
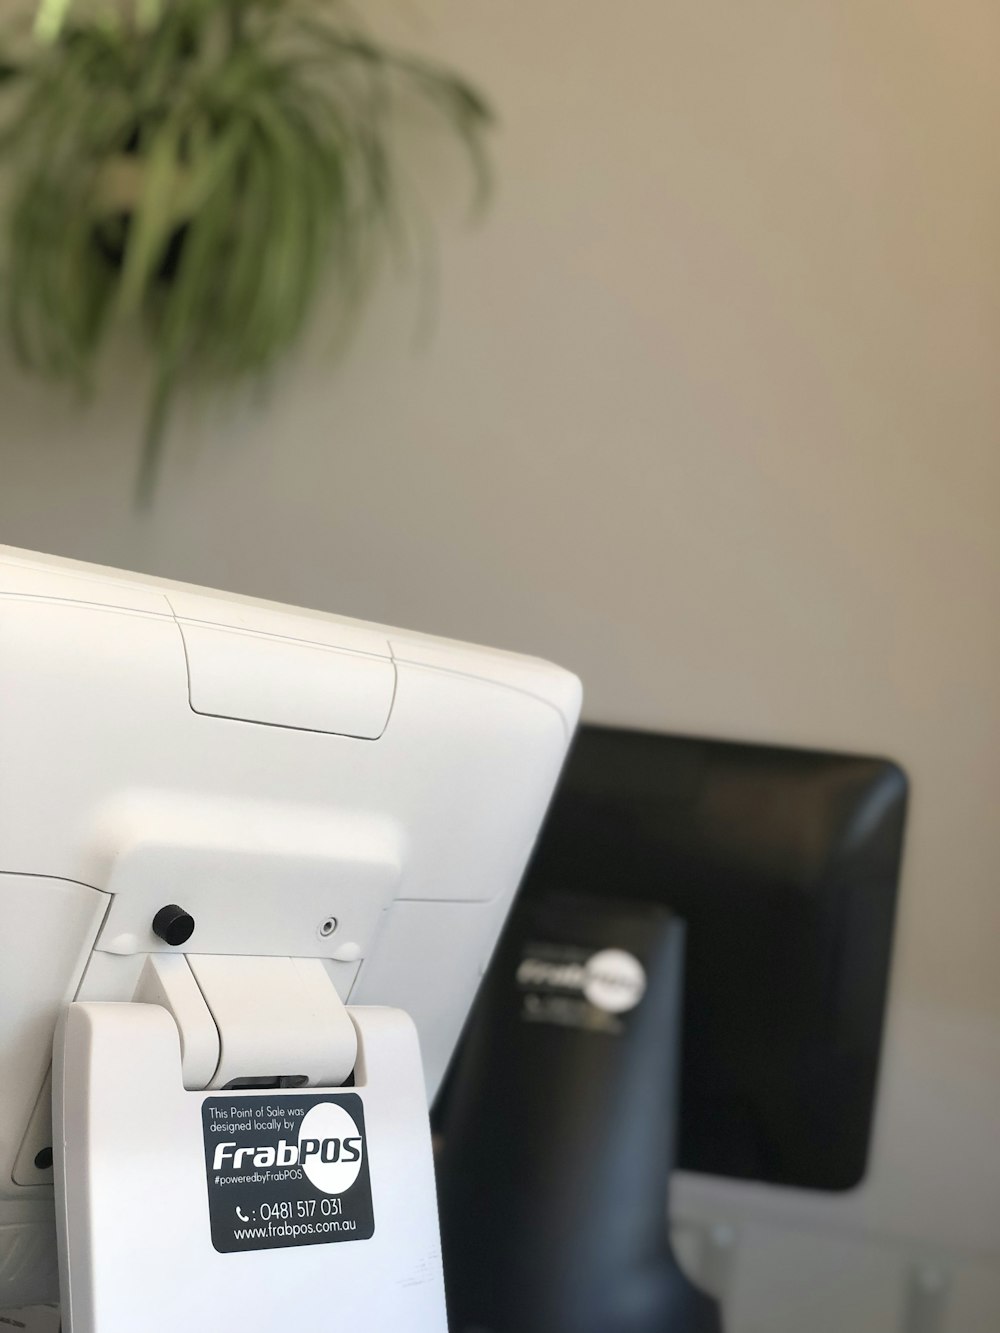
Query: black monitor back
x=785 y=865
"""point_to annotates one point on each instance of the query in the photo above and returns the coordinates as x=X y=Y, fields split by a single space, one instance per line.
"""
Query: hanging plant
x=203 y=167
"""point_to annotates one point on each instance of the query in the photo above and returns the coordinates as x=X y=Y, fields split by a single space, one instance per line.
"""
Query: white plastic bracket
x=277 y=1018
x=263 y=1021
x=251 y=1208
x=167 y=980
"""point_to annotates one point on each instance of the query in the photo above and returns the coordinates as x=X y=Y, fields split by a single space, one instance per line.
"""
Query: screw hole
x=43 y=1159
x=328 y=926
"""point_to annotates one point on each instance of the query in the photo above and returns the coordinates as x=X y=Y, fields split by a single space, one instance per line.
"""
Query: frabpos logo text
x=230 y=1156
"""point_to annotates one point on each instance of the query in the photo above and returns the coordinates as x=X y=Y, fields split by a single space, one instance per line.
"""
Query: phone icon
x=241 y=1214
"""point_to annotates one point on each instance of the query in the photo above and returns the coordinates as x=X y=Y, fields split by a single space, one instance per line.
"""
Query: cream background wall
x=712 y=414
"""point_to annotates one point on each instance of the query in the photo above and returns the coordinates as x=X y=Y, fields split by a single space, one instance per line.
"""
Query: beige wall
x=712 y=415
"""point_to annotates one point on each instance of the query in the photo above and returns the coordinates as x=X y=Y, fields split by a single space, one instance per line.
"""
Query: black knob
x=173 y=924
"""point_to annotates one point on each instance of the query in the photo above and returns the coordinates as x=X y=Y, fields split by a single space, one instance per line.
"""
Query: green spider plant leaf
x=49 y=19
x=155 y=217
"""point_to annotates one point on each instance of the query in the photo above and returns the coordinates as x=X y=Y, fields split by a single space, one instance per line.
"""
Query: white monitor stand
x=253 y=862
x=259 y=1209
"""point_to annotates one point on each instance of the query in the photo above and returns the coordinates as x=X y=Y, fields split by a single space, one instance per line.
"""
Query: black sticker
x=286 y=1170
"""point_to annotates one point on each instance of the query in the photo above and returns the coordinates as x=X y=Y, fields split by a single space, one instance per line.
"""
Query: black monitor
x=785 y=864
